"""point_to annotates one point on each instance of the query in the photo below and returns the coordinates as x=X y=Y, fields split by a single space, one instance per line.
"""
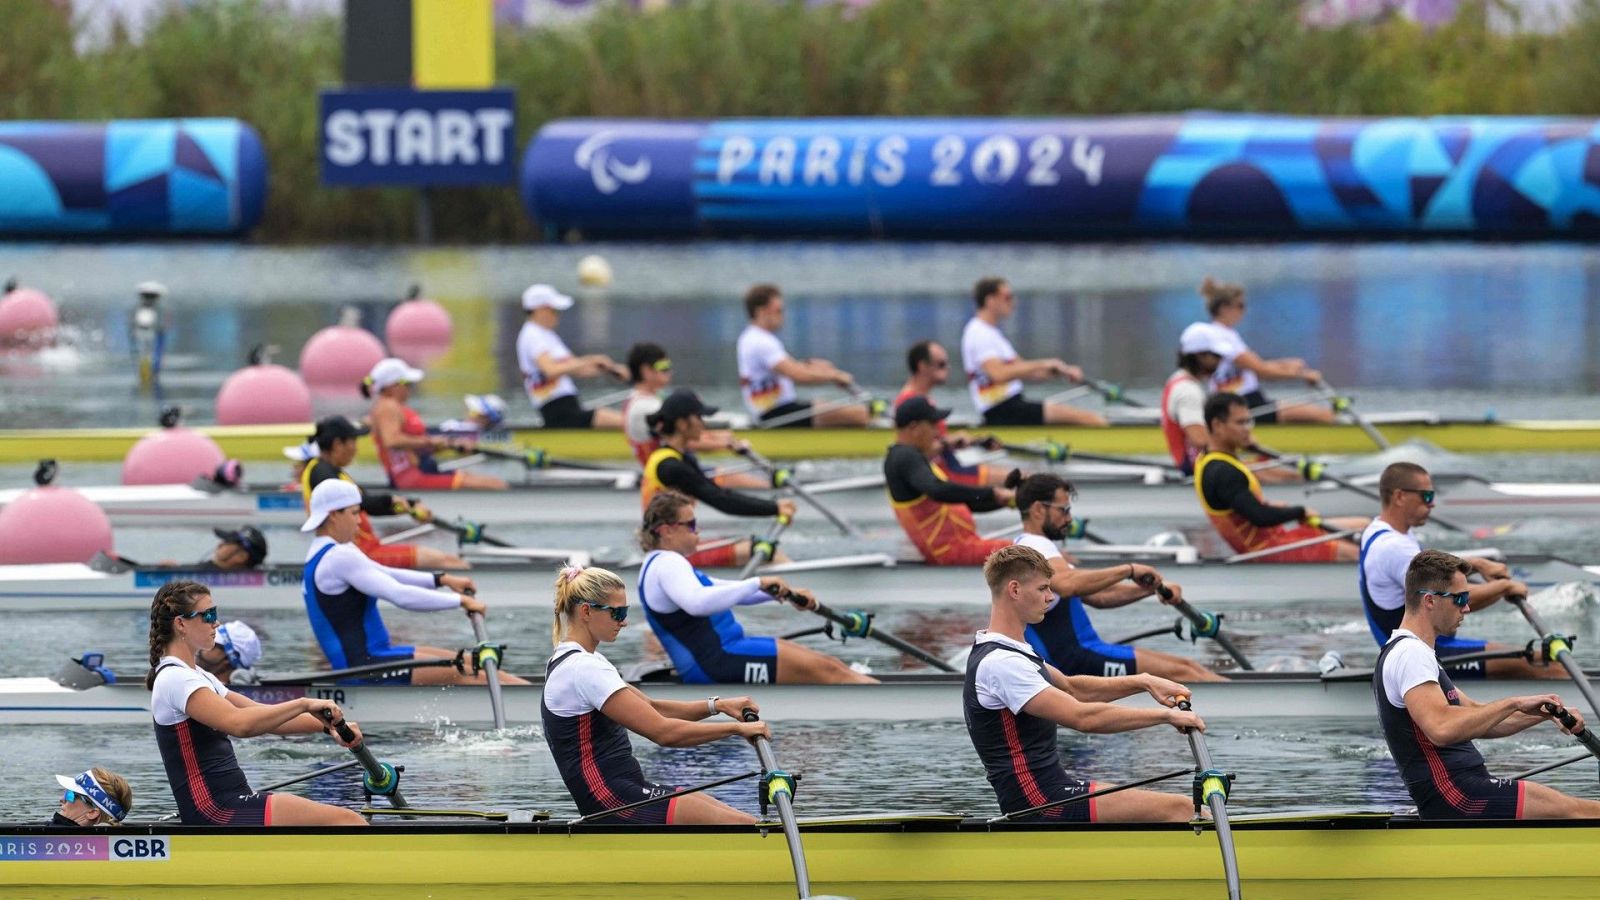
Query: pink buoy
x=338 y=357
x=52 y=525
x=418 y=331
x=27 y=318
x=171 y=456
x=263 y=395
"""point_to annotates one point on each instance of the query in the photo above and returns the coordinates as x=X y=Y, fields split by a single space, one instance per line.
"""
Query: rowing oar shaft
x=650 y=801
x=799 y=489
x=1353 y=487
x=1366 y=426
x=340 y=767
x=487 y=657
x=859 y=624
x=1540 y=770
x=382 y=778
x=778 y=787
x=1211 y=787
x=1568 y=721
x=1207 y=625
x=763 y=549
x=1560 y=649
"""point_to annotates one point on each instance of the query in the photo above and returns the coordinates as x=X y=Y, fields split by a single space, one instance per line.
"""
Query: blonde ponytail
x=576 y=584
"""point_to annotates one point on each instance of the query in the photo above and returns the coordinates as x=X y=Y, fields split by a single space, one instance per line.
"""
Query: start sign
x=420 y=138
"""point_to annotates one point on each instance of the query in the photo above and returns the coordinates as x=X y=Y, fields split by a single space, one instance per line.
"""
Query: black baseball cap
x=335 y=428
x=918 y=409
x=248 y=537
x=681 y=404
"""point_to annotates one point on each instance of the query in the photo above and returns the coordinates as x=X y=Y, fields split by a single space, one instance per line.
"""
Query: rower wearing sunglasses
x=649 y=374
x=692 y=613
x=97 y=797
x=1387 y=548
x=929 y=363
x=196 y=717
x=588 y=711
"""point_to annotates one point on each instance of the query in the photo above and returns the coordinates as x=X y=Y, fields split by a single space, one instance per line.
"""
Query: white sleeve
x=1039 y=542
x=1410 y=664
x=596 y=680
x=1007 y=680
x=769 y=350
x=671 y=578
x=636 y=423
x=169 y=696
x=1188 y=403
x=527 y=359
x=1388 y=558
x=347 y=564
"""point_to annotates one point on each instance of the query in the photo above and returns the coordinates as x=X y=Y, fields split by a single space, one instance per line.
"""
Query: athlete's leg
x=1544 y=802
x=1178 y=668
x=1063 y=414
x=1309 y=411
x=447 y=674
x=606 y=417
x=704 y=809
x=292 y=809
x=473 y=481
x=850 y=415
x=434 y=558
x=803 y=665
x=1142 y=806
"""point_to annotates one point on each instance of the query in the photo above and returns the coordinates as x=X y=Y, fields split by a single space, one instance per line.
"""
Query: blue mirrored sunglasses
x=208 y=616
x=1426 y=495
x=617 y=613
x=1459 y=598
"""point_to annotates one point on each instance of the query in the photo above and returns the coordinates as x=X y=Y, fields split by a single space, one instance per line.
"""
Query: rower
x=485 y=413
x=195 y=715
x=995 y=374
x=650 y=374
x=691 y=613
x=1183 y=399
x=935 y=513
x=1430 y=724
x=147 y=331
x=929 y=363
x=244 y=547
x=342 y=589
x=1230 y=493
x=678 y=425
x=588 y=711
x=767 y=373
x=232 y=659
x=97 y=797
x=548 y=367
x=1242 y=369
x=1065 y=638
x=336 y=443
x=404 y=446
x=1014 y=701
x=1387 y=548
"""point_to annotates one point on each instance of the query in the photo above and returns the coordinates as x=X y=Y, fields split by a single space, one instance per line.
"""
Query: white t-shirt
x=668 y=584
x=581 y=684
x=1186 y=401
x=1006 y=679
x=1050 y=551
x=981 y=342
x=1410 y=664
x=535 y=341
x=1230 y=345
x=1386 y=563
x=345 y=566
x=169 y=697
x=635 y=411
x=759 y=350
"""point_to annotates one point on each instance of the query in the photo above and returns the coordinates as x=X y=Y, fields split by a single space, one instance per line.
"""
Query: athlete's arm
x=1226 y=488
x=1285 y=367
x=812 y=371
x=1492 y=592
x=1445 y=724
x=671 y=576
x=386 y=423
x=631 y=709
x=1094 y=717
x=1106 y=588
x=999 y=370
x=374 y=580
x=909 y=476
x=251 y=719
x=679 y=475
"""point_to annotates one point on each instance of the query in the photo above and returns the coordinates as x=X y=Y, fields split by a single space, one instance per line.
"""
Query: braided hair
x=576 y=584
x=174 y=599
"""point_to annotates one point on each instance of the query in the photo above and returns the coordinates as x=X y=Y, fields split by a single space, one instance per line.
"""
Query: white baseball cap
x=538 y=295
x=490 y=406
x=392 y=371
x=332 y=494
x=302 y=452
x=151 y=289
x=1200 y=337
x=239 y=641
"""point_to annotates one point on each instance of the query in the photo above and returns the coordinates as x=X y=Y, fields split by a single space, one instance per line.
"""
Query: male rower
x=1065 y=638
x=1430 y=724
x=1387 y=548
x=1183 y=399
x=1230 y=493
x=934 y=512
x=548 y=367
x=649 y=375
x=1013 y=702
x=995 y=374
x=929 y=363
x=767 y=373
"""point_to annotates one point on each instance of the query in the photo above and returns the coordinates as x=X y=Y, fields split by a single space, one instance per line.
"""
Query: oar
x=469 y=533
x=1211 y=788
x=381 y=779
x=611 y=399
x=1203 y=624
x=1559 y=648
x=1343 y=405
x=1112 y=392
x=777 y=788
x=616 y=810
x=1285 y=548
x=1568 y=721
x=764 y=548
x=340 y=767
x=858 y=624
x=800 y=415
x=487 y=657
x=1058 y=452
x=370 y=669
x=1046 y=807
x=534 y=458
x=1315 y=473
x=1540 y=770
x=789 y=481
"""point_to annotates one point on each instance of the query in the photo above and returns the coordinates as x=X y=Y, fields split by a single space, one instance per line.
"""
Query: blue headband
x=227 y=649
x=91 y=789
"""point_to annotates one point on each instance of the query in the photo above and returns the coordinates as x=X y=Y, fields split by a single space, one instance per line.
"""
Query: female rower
x=649 y=374
x=195 y=716
x=342 y=588
x=97 y=797
x=691 y=612
x=404 y=445
x=588 y=711
x=1242 y=368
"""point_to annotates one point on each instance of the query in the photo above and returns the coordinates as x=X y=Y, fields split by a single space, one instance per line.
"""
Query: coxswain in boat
x=195 y=716
x=548 y=367
x=404 y=445
x=1430 y=724
x=649 y=376
x=768 y=374
x=97 y=797
x=995 y=373
x=1387 y=548
x=588 y=711
x=929 y=363
x=147 y=331
x=678 y=424
x=232 y=659
x=336 y=445
x=1242 y=369
x=244 y=547
x=1183 y=399
x=342 y=589
x=691 y=613
x=934 y=512
x=1065 y=638
x=1014 y=702
x=1230 y=493
x=485 y=413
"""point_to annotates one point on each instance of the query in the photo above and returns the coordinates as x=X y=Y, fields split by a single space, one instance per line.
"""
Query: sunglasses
x=662 y=365
x=73 y=797
x=1459 y=598
x=1064 y=509
x=208 y=616
x=1426 y=496
x=617 y=613
x=941 y=364
x=691 y=524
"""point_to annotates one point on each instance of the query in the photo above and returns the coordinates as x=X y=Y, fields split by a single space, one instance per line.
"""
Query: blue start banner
x=419 y=138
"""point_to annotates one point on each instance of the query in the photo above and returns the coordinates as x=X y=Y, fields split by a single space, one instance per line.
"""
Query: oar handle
x=1565 y=717
x=342 y=729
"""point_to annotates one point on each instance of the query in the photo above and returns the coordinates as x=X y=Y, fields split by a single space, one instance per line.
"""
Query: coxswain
x=768 y=374
x=195 y=715
x=1430 y=724
x=147 y=331
x=97 y=797
x=1014 y=702
x=342 y=588
x=1387 y=548
x=934 y=512
x=1242 y=369
x=649 y=376
x=588 y=712
x=1230 y=493
x=336 y=445
x=678 y=424
x=244 y=547
x=691 y=613
x=548 y=367
x=404 y=445
x=1065 y=638
x=232 y=659
x=1183 y=399
x=485 y=413
x=929 y=364
x=995 y=374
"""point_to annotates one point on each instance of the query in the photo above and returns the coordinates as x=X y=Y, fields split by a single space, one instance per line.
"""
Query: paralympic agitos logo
x=608 y=172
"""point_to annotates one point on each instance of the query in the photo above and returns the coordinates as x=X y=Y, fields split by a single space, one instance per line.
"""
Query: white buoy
x=594 y=271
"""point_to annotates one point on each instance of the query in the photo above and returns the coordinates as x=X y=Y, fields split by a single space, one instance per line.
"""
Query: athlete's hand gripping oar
x=648 y=801
x=858 y=624
x=1046 y=807
x=1112 y=392
x=486 y=656
x=1202 y=624
x=762 y=549
x=1211 y=789
x=381 y=779
x=777 y=788
x=1570 y=722
x=1342 y=404
x=1559 y=648
x=784 y=478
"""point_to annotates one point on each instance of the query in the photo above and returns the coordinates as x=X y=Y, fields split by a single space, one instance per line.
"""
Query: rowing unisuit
x=207 y=783
x=1381 y=577
x=411 y=469
x=680 y=470
x=949 y=462
x=342 y=587
x=1232 y=499
x=1183 y=401
x=372 y=504
x=691 y=614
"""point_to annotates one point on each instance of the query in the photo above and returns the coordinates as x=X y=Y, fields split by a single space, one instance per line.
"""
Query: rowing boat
x=1312 y=854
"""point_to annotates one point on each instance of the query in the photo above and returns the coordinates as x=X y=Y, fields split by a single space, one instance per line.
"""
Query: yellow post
x=452 y=44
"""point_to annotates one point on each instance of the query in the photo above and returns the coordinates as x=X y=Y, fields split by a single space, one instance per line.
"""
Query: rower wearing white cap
x=1242 y=368
x=548 y=367
x=1183 y=399
x=404 y=446
x=342 y=589
x=232 y=659
x=485 y=412
x=148 y=330
x=97 y=797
